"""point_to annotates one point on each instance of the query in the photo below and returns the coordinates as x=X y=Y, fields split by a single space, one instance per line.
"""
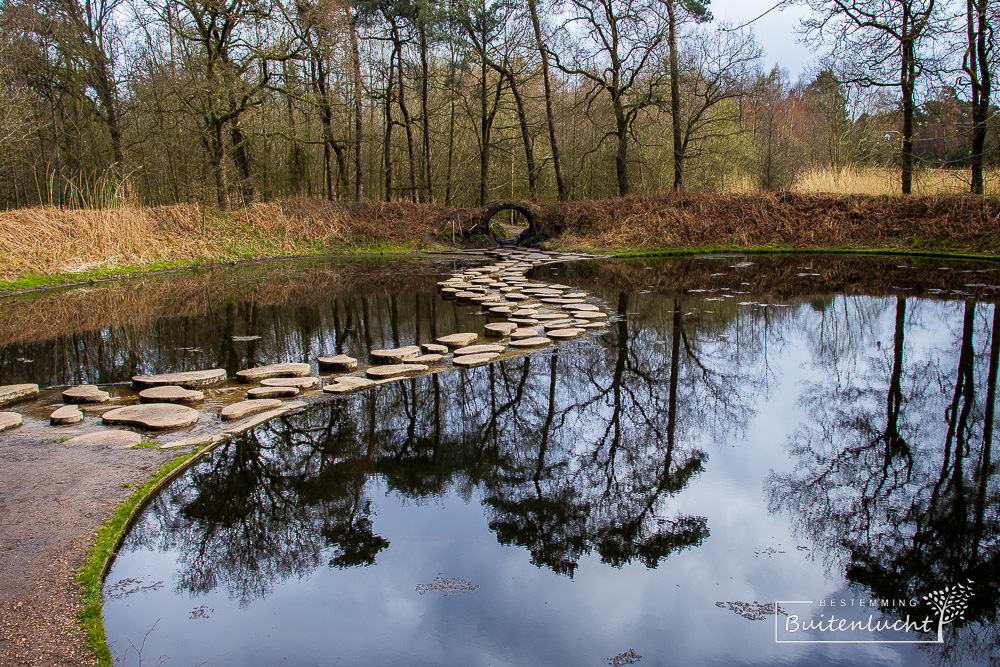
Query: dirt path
x=52 y=497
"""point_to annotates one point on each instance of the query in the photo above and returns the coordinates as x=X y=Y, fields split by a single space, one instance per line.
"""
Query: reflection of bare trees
x=898 y=480
x=573 y=452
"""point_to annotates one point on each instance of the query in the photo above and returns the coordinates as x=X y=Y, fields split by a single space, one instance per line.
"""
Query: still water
x=814 y=433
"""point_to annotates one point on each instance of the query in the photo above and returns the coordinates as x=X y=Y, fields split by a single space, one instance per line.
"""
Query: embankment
x=48 y=241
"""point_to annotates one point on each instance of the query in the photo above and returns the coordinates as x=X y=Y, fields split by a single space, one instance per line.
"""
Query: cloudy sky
x=776 y=31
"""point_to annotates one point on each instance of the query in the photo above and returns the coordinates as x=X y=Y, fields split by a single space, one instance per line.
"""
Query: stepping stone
x=525 y=333
x=187 y=379
x=348 y=383
x=586 y=315
x=500 y=329
x=11 y=393
x=458 y=339
x=562 y=301
x=426 y=359
x=434 y=348
x=395 y=356
x=395 y=370
x=298 y=383
x=537 y=341
x=194 y=441
x=153 y=416
x=67 y=414
x=582 y=306
x=546 y=317
x=449 y=290
x=112 y=439
x=524 y=321
x=9 y=420
x=272 y=371
x=594 y=325
x=170 y=394
x=576 y=295
x=488 y=348
x=475 y=359
x=571 y=332
x=249 y=407
x=86 y=393
x=273 y=392
x=517 y=296
x=525 y=312
x=340 y=362
x=501 y=311
x=465 y=295
x=261 y=417
x=555 y=326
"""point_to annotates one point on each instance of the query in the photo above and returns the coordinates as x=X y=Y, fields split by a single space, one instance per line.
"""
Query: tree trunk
x=529 y=154
x=907 y=79
x=358 y=108
x=675 y=97
x=621 y=157
x=425 y=114
x=549 y=116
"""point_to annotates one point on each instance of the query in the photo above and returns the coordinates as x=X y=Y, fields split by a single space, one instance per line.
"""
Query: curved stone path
x=521 y=316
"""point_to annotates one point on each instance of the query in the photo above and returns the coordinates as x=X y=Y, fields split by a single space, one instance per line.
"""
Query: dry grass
x=783 y=220
x=49 y=240
x=881 y=181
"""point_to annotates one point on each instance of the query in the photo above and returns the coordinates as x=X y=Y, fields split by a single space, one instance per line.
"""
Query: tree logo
x=950 y=603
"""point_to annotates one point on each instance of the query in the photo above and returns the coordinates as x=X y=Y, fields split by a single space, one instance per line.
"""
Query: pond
x=752 y=450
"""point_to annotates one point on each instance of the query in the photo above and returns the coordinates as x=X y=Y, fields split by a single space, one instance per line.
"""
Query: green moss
x=105 y=546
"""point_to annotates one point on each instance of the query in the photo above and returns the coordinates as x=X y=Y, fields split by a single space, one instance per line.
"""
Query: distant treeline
x=225 y=102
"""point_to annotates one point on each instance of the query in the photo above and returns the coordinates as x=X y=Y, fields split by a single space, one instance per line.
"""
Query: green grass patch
x=105 y=546
x=688 y=252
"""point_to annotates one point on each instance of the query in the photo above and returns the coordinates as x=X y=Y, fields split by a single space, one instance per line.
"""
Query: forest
x=105 y=103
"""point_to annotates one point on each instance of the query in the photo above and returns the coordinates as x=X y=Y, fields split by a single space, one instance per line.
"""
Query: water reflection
x=865 y=419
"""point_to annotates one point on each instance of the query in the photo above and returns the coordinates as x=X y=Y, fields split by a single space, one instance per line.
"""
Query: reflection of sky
x=525 y=615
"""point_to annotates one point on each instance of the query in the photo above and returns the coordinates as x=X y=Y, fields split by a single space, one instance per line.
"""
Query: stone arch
x=525 y=209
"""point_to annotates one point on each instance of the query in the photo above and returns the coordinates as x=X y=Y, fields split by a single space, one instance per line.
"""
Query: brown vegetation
x=50 y=240
x=782 y=220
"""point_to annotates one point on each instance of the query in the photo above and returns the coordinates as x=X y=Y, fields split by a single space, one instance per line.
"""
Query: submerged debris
x=447 y=585
x=753 y=611
x=629 y=657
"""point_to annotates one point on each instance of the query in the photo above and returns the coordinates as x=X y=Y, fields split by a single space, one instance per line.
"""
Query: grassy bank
x=47 y=246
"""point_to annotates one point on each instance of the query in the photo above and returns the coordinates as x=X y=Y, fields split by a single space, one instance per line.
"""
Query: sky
x=776 y=31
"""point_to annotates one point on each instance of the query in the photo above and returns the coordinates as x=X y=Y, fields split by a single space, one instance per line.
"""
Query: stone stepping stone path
x=67 y=414
x=394 y=356
x=12 y=393
x=170 y=394
x=187 y=379
x=547 y=317
x=273 y=371
x=536 y=341
x=309 y=382
x=273 y=392
x=500 y=329
x=394 y=370
x=9 y=420
x=111 y=438
x=488 y=348
x=458 y=339
x=524 y=321
x=426 y=359
x=340 y=362
x=583 y=306
x=475 y=359
x=586 y=315
x=525 y=333
x=86 y=393
x=348 y=383
x=261 y=417
x=152 y=416
x=561 y=334
x=247 y=408
x=434 y=348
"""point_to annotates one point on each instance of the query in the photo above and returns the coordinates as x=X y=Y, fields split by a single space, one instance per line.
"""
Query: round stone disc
x=112 y=439
x=273 y=370
x=153 y=416
x=537 y=341
x=499 y=329
x=434 y=348
x=475 y=359
x=394 y=370
x=187 y=379
x=273 y=392
x=340 y=362
x=308 y=382
x=67 y=414
x=11 y=393
x=565 y=333
x=586 y=315
x=9 y=420
x=479 y=349
x=86 y=393
x=395 y=356
x=170 y=394
x=458 y=339
x=249 y=407
x=348 y=383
